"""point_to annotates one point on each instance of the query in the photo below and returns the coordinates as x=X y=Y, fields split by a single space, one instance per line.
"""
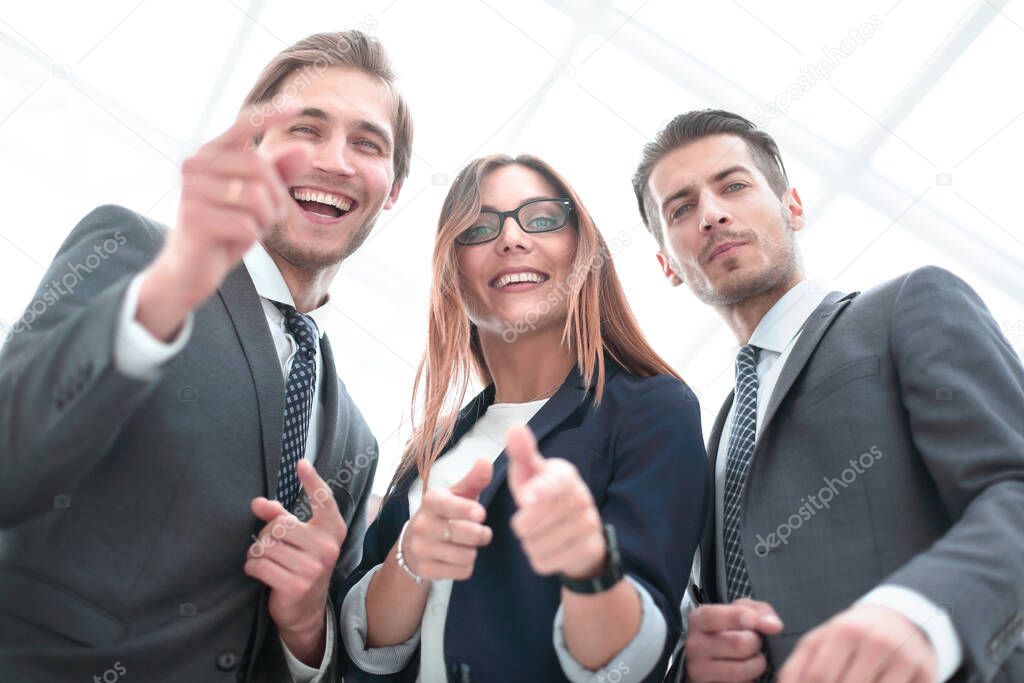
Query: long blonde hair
x=599 y=321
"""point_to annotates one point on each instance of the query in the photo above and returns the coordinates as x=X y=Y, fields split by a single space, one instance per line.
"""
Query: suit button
x=227 y=661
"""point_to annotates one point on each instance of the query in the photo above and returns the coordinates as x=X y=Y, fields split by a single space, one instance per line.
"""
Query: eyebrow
x=363 y=124
x=488 y=207
x=686 y=190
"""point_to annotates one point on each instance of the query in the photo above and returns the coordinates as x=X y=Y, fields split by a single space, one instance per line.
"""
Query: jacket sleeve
x=380 y=537
x=962 y=386
x=62 y=398
x=657 y=497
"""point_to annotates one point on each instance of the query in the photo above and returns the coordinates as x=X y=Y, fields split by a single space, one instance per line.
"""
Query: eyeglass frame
x=514 y=215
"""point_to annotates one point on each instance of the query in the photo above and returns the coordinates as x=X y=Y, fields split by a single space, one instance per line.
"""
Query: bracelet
x=400 y=556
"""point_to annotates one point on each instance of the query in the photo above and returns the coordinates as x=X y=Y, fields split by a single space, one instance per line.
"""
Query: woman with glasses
x=556 y=551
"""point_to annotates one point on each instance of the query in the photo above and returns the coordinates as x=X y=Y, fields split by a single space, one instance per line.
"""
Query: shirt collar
x=786 y=318
x=270 y=284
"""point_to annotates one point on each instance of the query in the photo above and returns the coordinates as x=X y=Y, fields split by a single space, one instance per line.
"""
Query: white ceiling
x=99 y=102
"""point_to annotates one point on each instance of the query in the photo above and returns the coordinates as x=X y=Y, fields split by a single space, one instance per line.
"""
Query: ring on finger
x=447 y=531
x=234 y=193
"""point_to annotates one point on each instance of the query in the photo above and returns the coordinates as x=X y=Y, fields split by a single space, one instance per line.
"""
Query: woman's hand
x=442 y=538
x=557 y=523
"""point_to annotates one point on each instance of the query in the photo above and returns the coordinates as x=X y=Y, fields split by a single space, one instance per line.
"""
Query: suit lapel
x=709 y=576
x=570 y=397
x=250 y=322
x=246 y=312
x=812 y=332
x=814 y=329
x=469 y=414
x=325 y=458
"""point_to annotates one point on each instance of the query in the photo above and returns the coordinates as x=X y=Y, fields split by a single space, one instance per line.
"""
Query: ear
x=396 y=187
x=795 y=209
x=666 y=268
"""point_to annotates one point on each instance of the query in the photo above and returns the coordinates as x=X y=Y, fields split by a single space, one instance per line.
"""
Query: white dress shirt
x=486 y=438
x=776 y=335
x=139 y=354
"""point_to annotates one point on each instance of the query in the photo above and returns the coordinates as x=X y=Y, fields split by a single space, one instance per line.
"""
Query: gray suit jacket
x=124 y=504
x=915 y=383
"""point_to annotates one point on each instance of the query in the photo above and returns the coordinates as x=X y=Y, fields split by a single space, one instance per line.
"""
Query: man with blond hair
x=183 y=476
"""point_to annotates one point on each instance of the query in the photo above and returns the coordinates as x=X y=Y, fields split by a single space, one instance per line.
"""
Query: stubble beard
x=783 y=264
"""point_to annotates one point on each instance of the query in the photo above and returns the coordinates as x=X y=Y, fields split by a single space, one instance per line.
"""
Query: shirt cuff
x=928 y=617
x=635 y=662
x=301 y=673
x=137 y=353
x=375 y=660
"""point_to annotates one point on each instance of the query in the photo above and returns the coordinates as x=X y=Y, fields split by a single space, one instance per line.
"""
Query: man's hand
x=723 y=642
x=230 y=196
x=296 y=560
x=557 y=522
x=864 y=643
x=442 y=538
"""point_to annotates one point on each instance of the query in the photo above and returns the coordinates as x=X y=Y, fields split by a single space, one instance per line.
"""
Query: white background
x=908 y=153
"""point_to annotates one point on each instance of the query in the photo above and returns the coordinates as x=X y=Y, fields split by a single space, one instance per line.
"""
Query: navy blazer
x=642 y=454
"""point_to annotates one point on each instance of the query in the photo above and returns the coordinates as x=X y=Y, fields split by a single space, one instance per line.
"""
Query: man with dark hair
x=868 y=469
x=163 y=420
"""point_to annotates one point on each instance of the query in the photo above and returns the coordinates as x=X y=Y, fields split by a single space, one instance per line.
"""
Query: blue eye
x=737 y=185
x=478 y=233
x=543 y=223
x=679 y=211
x=370 y=143
x=304 y=129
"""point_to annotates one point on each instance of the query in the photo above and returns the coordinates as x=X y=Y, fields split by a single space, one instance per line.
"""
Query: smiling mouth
x=321 y=203
x=516 y=281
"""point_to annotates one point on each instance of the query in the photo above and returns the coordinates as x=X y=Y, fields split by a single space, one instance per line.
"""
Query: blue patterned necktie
x=737 y=465
x=741 y=447
x=298 y=401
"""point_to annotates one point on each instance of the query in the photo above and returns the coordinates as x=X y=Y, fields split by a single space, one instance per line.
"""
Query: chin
x=316 y=246
x=307 y=253
x=738 y=285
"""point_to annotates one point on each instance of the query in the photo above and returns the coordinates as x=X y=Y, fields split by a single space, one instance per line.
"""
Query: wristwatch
x=611 y=575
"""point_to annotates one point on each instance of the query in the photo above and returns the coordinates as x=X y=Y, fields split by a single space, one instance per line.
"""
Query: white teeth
x=322 y=197
x=513 y=278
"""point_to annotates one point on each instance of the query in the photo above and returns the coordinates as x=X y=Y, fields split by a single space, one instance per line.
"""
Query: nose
x=334 y=157
x=713 y=216
x=513 y=237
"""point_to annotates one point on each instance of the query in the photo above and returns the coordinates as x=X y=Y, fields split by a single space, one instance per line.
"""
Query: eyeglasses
x=534 y=216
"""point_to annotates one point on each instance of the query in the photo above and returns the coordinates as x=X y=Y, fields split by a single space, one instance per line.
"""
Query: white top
x=485 y=439
x=776 y=335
